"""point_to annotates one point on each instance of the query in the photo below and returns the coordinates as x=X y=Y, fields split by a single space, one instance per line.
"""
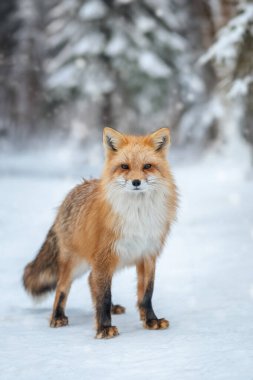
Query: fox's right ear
x=112 y=139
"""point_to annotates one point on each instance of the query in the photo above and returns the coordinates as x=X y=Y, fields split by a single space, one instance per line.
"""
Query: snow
x=204 y=115
x=93 y=10
x=56 y=26
x=204 y=282
x=145 y=24
x=151 y=64
x=116 y=45
x=225 y=49
x=97 y=81
x=60 y=9
x=174 y=41
x=240 y=87
x=125 y=1
x=92 y=43
x=66 y=76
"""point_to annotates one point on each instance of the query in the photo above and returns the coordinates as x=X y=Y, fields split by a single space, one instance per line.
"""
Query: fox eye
x=147 y=166
x=125 y=166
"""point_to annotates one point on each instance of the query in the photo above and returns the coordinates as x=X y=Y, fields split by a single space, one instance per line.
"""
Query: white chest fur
x=143 y=220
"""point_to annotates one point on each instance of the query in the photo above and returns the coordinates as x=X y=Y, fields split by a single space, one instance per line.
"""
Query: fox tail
x=40 y=275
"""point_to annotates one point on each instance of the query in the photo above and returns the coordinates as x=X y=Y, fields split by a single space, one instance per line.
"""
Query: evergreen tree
x=9 y=27
x=123 y=56
x=232 y=53
x=28 y=74
x=21 y=67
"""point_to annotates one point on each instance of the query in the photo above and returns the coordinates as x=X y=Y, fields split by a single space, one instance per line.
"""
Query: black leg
x=59 y=311
x=103 y=308
x=146 y=276
x=146 y=303
x=100 y=285
x=59 y=318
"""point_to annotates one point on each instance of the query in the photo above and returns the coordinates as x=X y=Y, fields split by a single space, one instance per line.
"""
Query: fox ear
x=160 y=139
x=112 y=139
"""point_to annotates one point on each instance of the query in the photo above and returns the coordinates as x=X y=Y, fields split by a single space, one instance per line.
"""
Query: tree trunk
x=244 y=69
x=107 y=111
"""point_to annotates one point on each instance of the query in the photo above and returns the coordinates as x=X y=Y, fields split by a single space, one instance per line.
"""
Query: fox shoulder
x=78 y=199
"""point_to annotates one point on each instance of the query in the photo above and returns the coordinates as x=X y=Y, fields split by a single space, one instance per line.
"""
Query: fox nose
x=136 y=182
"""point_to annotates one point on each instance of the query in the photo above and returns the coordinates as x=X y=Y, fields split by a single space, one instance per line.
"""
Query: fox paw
x=107 y=332
x=142 y=315
x=156 y=324
x=118 y=309
x=59 y=322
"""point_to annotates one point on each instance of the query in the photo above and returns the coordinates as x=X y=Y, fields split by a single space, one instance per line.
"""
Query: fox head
x=136 y=164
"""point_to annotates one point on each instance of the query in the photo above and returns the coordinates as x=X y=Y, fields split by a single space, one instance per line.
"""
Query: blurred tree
x=134 y=64
x=81 y=65
x=21 y=67
x=243 y=73
x=119 y=55
x=9 y=26
x=232 y=54
x=197 y=123
x=28 y=75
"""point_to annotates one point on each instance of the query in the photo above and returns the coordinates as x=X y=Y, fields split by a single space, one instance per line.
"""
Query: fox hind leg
x=117 y=309
x=58 y=318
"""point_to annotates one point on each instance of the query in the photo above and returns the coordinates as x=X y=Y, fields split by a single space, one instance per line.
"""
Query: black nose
x=136 y=182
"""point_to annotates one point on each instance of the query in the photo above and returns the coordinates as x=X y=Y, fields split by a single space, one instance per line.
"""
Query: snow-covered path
x=204 y=285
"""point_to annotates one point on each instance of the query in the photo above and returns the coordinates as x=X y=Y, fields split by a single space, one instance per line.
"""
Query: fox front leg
x=145 y=287
x=100 y=285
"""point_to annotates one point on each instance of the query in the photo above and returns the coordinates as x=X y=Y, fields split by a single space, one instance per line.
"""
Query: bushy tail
x=40 y=276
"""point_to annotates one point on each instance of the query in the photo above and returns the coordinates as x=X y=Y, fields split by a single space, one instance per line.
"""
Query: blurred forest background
x=68 y=68
x=71 y=67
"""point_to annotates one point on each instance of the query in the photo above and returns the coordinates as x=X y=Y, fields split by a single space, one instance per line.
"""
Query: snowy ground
x=204 y=285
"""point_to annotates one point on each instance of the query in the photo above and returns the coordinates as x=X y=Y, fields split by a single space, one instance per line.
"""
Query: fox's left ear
x=160 y=139
x=112 y=139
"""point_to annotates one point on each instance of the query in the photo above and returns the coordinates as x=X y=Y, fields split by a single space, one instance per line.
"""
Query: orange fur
x=92 y=232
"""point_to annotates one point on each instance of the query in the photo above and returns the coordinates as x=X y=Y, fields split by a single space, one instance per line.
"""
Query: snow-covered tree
x=122 y=56
x=197 y=121
x=21 y=67
x=9 y=25
x=233 y=55
x=28 y=74
x=133 y=64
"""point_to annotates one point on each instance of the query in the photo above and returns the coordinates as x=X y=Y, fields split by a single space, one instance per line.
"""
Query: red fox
x=106 y=224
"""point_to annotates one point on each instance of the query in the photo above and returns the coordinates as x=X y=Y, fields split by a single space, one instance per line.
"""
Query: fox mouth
x=136 y=189
x=126 y=185
x=139 y=190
